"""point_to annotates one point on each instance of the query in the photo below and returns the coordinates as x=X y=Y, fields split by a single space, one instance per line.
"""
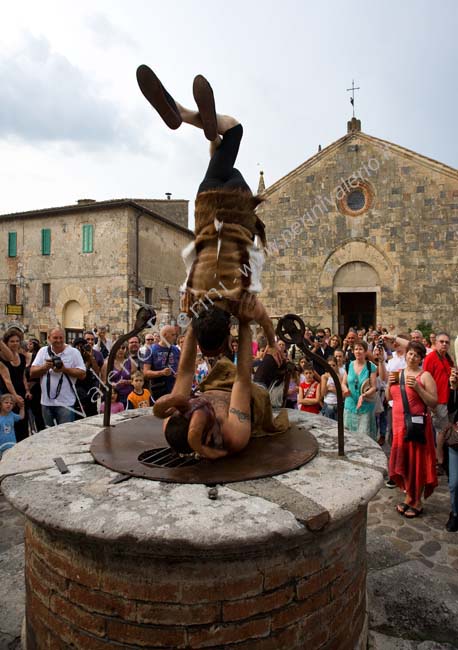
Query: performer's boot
x=158 y=97
x=203 y=95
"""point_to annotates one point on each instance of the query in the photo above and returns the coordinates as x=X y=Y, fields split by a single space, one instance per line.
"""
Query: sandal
x=402 y=507
x=203 y=95
x=158 y=97
x=440 y=471
x=381 y=441
x=412 y=512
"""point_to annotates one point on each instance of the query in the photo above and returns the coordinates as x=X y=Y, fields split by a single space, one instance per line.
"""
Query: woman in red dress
x=413 y=464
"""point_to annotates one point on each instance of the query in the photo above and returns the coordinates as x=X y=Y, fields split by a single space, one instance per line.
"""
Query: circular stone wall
x=270 y=564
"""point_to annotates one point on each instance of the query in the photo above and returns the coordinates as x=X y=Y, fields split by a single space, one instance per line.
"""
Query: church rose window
x=356 y=200
x=355 y=197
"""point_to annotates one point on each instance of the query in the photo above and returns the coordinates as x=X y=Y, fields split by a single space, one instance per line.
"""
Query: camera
x=380 y=344
x=57 y=362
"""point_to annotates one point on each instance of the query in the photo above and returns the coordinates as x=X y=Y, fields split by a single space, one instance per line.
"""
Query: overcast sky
x=73 y=123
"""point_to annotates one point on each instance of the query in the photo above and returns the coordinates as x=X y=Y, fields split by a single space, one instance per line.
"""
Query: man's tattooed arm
x=243 y=417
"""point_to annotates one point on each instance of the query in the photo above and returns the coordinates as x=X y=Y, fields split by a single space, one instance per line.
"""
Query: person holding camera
x=58 y=366
x=87 y=388
x=321 y=349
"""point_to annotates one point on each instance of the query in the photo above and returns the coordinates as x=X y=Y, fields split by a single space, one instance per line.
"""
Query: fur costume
x=226 y=257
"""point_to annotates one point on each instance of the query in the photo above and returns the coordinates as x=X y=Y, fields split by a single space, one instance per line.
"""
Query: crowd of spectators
x=388 y=381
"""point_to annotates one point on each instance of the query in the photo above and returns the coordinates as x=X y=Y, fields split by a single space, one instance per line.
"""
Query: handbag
x=159 y=384
x=451 y=436
x=415 y=424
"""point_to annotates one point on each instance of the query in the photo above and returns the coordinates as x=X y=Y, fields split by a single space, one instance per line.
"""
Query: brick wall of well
x=86 y=596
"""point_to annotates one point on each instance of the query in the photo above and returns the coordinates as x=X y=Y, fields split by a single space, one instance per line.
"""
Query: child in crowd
x=7 y=422
x=116 y=406
x=309 y=392
x=140 y=397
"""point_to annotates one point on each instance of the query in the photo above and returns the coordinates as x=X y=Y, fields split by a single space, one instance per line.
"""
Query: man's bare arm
x=237 y=429
x=187 y=365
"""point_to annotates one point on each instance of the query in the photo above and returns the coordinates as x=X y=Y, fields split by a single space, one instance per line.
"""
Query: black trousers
x=221 y=172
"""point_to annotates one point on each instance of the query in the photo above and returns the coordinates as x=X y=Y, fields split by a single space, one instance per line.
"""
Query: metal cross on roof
x=352 y=98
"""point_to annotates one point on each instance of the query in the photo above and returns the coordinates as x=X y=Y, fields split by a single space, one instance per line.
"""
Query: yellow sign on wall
x=14 y=310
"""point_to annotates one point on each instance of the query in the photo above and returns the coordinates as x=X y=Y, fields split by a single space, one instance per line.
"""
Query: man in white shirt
x=58 y=366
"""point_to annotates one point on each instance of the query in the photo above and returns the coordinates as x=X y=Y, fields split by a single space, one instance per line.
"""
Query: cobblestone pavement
x=423 y=540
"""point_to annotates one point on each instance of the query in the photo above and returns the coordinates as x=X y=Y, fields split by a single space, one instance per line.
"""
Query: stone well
x=270 y=564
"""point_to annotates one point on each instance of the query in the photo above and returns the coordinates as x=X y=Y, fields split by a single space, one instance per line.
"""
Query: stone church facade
x=85 y=264
x=364 y=232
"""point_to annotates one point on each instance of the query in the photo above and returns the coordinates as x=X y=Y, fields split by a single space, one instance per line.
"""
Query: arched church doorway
x=73 y=320
x=356 y=293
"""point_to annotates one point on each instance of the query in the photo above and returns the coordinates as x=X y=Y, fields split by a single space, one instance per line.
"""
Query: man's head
x=321 y=337
x=176 y=433
x=168 y=335
x=212 y=329
x=200 y=426
x=416 y=335
x=56 y=339
x=133 y=345
x=89 y=338
x=442 y=343
x=149 y=340
x=351 y=337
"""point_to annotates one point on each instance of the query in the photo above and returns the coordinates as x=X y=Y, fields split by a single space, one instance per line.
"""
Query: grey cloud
x=45 y=98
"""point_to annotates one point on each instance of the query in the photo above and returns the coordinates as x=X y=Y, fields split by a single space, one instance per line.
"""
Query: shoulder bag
x=415 y=424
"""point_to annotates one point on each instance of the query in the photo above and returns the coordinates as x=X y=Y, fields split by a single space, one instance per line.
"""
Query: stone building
x=85 y=264
x=363 y=232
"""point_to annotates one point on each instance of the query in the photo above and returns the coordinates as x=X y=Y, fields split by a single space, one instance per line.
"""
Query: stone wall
x=94 y=598
x=408 y=234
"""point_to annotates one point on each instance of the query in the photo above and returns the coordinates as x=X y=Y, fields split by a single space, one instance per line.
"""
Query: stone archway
x=73 y=316
x=356 y=289
x=357 y=266
x=69 y=294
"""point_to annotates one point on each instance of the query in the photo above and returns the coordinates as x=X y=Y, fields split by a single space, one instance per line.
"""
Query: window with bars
x=88 y=238
x=46 y=294
x=46 y=241
x=12 y=244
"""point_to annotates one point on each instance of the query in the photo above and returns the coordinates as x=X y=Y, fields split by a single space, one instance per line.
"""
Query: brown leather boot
x=203 y=95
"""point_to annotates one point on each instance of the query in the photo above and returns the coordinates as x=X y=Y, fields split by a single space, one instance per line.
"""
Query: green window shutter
x=12 y=244
x=88 y=238
x=46 y=241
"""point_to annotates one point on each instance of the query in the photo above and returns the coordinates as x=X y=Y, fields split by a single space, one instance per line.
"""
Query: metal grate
x=165 y=457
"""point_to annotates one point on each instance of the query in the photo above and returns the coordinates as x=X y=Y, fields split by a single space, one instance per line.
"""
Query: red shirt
x=440 y=368
x=309 y=391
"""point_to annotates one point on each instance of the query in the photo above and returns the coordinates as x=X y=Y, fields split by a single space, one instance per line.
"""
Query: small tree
x=426 y=327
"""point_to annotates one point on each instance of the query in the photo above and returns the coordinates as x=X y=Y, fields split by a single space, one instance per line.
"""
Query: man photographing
x=58 y=366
